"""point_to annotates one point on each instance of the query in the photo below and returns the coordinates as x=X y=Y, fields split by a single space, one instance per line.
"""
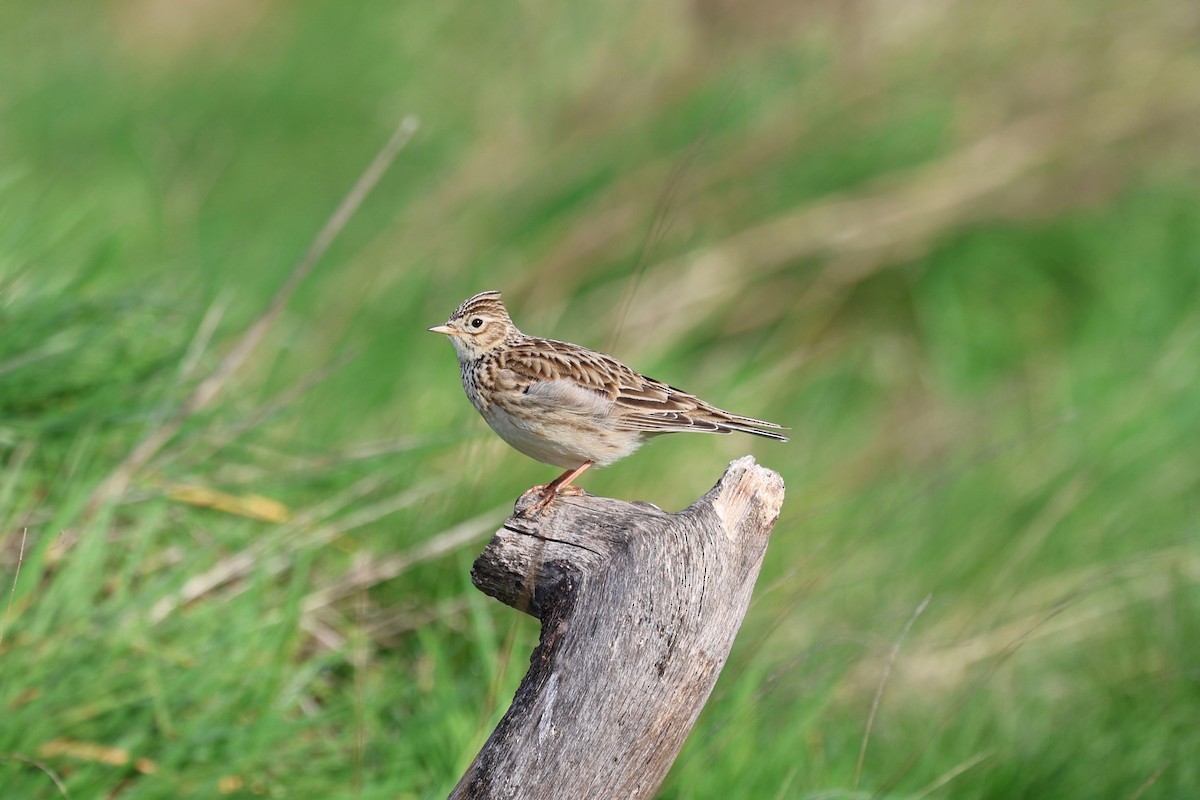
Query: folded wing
x=634 y=402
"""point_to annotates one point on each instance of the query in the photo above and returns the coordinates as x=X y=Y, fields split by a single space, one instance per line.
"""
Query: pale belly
x=564 y=444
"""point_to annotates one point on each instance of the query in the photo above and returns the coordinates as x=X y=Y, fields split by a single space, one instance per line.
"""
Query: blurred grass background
x=955 y=246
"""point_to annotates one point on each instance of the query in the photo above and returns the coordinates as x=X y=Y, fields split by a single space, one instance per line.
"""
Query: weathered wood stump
x=639 y=609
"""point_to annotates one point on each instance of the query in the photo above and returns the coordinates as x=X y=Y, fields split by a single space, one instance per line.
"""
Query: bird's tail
x=736 y=424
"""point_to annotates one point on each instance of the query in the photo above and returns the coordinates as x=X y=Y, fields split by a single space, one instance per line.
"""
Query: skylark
x=565 y=405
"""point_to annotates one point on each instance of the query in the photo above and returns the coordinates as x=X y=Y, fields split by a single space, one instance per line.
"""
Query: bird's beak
x=446 y=329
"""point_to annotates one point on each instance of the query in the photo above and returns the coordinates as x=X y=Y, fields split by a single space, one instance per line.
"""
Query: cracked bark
x=639 y=609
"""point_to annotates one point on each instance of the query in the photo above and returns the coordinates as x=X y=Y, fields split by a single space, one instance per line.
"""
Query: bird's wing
x=654 y=407
x=549 y=369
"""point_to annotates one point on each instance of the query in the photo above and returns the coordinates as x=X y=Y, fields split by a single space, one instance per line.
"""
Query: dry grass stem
x=1153 y=779
x=662 y=220
x=896 y=217
x=288 y=536
x=203 y=337
x=391 y=626
x=887 y=671
x=12 y=592
x=285 y=463
x=207 y=390
x=950 y=774
x=1069 y=622
x=371 y=574
x=43 y=766
x=222 y=438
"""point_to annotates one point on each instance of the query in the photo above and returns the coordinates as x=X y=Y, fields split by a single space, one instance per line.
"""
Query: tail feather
x=753 y=426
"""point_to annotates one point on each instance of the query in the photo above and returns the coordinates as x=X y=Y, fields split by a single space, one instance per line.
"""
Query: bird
x=568 y=406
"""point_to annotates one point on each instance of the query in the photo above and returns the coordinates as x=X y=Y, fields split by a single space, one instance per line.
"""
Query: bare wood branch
x=639 y=609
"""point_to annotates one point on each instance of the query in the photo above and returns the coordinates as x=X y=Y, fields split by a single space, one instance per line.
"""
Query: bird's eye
x=477 y=323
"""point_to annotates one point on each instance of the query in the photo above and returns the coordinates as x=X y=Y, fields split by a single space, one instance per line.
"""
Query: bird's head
x=478 y=326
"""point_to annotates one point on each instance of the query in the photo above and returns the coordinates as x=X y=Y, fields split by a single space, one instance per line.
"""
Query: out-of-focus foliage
x=952 y=245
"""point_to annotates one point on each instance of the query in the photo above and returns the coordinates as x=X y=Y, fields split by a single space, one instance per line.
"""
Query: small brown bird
x=565 y=405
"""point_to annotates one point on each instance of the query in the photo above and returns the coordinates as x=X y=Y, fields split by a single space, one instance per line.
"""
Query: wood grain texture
x=639 y=609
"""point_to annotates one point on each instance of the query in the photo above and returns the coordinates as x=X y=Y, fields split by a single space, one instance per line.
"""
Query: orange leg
x=560 y=485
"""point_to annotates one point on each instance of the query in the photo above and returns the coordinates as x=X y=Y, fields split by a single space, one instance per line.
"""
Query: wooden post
x=639 y=609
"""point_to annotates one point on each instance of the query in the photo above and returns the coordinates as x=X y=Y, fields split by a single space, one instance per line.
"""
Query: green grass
x=989 y=365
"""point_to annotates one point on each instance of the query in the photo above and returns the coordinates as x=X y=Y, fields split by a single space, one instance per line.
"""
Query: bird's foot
x=539 y=490
x=546 y=492
x=560 y=485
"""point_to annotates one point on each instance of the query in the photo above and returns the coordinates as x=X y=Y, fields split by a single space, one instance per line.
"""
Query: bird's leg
x=560 y=485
